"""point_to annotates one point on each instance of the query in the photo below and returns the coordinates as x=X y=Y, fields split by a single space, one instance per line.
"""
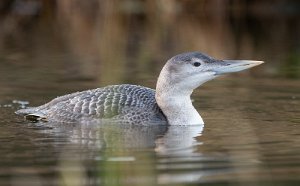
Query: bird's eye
x=197 y=64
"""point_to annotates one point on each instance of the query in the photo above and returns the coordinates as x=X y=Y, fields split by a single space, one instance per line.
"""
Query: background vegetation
x=103 y=40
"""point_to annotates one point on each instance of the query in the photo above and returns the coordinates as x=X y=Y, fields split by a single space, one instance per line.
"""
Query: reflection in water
x=179 y=140
x=166 y=140
x=122 y=144
x=244 y=140
x=114 y=136
x=51 y=48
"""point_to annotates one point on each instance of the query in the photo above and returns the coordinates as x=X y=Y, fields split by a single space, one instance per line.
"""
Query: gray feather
x=125 y=103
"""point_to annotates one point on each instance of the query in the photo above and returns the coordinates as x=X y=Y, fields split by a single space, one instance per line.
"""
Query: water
x=251 y=137
x=252 y=119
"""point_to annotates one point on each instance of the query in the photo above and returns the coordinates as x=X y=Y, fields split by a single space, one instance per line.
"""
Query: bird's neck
x=174 y=99
x=178 y=108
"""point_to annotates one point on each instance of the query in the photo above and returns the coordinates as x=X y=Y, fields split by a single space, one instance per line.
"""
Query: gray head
x=181 y=75
x=187 y=71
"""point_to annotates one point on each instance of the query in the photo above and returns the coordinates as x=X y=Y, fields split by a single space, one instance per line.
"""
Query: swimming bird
x=169 y=104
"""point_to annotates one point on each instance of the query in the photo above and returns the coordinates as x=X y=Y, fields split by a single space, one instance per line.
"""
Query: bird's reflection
x=128 y=152
x=179 y=140
x=164 y=140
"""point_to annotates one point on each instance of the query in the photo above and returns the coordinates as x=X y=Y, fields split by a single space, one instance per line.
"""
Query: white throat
x=174 y=98
x=184 y=73
x=178 y=109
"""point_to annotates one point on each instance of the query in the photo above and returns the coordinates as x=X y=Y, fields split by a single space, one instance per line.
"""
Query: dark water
x=251 y=137
x=251 y=134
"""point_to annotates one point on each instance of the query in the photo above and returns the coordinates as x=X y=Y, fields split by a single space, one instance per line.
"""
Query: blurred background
x=53 y=47
x=107 y=41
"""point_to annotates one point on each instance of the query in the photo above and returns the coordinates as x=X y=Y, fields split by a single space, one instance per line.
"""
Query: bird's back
x=121 y=103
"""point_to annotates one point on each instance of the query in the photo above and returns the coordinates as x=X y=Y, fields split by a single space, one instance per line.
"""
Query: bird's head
x=187 y=71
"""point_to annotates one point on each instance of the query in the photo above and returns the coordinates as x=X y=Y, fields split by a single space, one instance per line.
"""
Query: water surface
x=251 y=134
x=251 y=137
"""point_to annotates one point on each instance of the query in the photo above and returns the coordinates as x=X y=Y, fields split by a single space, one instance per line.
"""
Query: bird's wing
x=101 y=103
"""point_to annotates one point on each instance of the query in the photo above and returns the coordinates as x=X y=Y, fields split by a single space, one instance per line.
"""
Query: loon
x=169 y=104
